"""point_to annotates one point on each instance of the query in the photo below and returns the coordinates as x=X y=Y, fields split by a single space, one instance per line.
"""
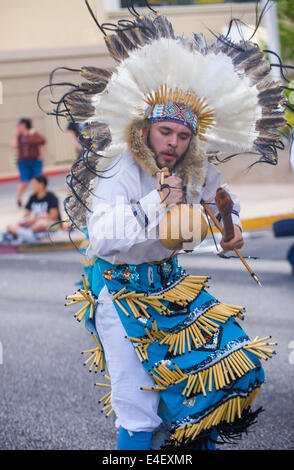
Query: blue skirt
x=204 y=366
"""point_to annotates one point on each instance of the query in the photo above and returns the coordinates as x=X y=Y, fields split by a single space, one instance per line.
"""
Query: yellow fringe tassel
x=86 y=263
x=193 y=334
x=228 y=412
x=228 y=369
x=106 y=398
x=82 y=295
x=260 y=348
x=165 y=377
x=182 y=294
x=97 y=356
x=219 y=375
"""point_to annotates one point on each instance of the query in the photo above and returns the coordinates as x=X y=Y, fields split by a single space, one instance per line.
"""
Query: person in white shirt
x=130 y=183
x=135 y=409
x=183 y=372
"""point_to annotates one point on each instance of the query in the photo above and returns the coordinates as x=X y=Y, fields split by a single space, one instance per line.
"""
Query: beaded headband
x=183 y=107
x=174 y=112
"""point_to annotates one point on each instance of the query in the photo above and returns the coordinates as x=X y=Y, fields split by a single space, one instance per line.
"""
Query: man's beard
x=178 y=159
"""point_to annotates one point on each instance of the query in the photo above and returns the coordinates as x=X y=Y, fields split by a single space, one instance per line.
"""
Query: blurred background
x=47 y=400
x=36 y=37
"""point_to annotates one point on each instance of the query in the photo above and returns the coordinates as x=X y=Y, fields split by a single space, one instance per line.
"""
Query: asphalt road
x=48 y=399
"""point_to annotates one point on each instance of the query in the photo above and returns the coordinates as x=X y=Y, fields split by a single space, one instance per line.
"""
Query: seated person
x=41 y=212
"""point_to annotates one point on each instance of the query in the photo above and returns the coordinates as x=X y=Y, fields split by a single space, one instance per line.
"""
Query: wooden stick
x=219 y=227
x=164 y=172
x=224 y=204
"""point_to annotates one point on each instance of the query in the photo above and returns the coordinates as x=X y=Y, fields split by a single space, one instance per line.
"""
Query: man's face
x=37 y=186
x=168 y=140
x=22 y=128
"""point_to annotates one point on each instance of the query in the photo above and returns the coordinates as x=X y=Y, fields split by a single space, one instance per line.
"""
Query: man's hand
x=27 y=221
x=236 y=242
x=174 y=193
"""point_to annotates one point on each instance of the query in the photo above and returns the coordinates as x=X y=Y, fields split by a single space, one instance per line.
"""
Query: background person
x=30 y=145
x=41 y=211
x=168 y=362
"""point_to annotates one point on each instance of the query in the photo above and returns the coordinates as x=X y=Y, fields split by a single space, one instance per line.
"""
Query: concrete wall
x=21 y=78
x=46 y=24
x=42 y=24
x=37 y=36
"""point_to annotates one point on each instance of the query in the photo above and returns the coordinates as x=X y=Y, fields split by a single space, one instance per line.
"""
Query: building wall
x=38 y=36
x=21 y=78
x=43 y=24
x=46 y=24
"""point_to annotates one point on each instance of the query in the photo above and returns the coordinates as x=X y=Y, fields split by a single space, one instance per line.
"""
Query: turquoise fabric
x=134 y=440
x=178 y=410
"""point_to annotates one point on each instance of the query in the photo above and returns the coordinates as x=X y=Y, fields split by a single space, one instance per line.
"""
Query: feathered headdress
x=223 y=91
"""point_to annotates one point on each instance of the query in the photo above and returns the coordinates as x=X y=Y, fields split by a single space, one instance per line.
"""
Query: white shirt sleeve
x=116 y=224
x=213 y=182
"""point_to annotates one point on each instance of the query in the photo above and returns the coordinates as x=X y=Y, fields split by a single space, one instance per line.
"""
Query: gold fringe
x=85 y=244
x=86 y=263
x=228 y=369
x=221 y=374
x=142 y=350
x=152 y=335
x=182 y=294
x=165 y=377
x=144 y=342
x=204 y=325
x=260 y=348
x=97 y=356
x=106 y=398
x=82 y=295
x=122 y=308
x=228 y=412
x=193 y=334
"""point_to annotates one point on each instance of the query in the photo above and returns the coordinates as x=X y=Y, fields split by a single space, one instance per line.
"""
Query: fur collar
x=192 y=169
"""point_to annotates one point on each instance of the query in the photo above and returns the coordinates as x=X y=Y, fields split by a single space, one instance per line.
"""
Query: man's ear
x=144 y=133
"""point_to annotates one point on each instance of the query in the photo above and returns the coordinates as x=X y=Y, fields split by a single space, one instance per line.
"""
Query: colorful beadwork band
x=175 y=113
x=140 y=214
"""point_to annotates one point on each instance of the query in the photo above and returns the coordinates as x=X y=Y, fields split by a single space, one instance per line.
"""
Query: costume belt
x=157 y=274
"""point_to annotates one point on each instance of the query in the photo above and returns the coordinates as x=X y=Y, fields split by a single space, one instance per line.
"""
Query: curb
x=264 y=222
x=41 y=247
x=38 y=248
x=10 y=179
x=258 y=223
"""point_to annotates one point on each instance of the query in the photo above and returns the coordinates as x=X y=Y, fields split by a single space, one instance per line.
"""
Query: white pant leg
x=135 y=409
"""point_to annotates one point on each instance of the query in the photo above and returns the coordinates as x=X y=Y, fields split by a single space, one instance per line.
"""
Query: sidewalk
x=264 y=204
x=261 y=206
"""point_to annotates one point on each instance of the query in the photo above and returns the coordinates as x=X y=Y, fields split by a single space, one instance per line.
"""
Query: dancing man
x=183 y=373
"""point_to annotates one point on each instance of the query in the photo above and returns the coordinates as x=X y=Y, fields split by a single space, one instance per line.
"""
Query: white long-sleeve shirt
x=127 y=208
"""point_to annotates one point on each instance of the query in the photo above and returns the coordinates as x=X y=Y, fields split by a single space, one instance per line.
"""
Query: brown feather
x=94 y=74
x=115 y=47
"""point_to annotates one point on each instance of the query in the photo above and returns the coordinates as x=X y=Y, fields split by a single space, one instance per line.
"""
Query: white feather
x=212 y=76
